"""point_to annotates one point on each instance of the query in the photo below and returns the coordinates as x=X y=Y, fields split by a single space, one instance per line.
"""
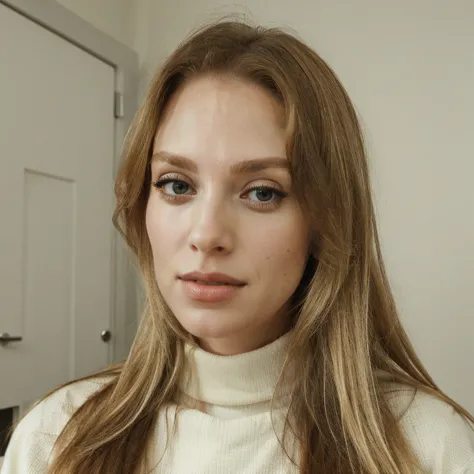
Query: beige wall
x=409 y=67
x=124 y=20
x=111 y=16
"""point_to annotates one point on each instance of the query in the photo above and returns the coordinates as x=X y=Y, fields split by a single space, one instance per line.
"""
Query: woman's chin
x=206 y=330
x=218 y=336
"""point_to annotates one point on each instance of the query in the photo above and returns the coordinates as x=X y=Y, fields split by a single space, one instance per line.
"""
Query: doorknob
x=106 y=335
x=5 y=338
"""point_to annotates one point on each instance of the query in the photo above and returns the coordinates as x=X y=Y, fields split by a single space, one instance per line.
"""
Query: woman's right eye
x=173 y=187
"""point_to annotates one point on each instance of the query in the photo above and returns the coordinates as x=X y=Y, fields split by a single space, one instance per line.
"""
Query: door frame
x=61 y=21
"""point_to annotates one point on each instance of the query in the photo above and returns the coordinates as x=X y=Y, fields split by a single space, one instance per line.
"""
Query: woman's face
x=229 y=240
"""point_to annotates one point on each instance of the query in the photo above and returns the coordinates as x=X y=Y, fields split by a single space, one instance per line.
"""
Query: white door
x=56 y=202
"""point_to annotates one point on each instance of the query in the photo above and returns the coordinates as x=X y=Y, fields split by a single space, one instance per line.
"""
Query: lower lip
x=209 y=293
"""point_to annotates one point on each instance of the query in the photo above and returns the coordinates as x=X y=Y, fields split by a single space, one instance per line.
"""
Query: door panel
x=56 y=202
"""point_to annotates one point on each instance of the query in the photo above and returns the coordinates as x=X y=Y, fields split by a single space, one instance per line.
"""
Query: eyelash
x=279 y=195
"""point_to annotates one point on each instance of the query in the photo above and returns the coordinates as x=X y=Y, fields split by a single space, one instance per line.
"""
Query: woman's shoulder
x=32 y=441
x=51 y=414
x=440 y=437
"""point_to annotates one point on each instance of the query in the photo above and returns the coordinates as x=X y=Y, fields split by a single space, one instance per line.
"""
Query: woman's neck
x=248 y=339
x=234 y=380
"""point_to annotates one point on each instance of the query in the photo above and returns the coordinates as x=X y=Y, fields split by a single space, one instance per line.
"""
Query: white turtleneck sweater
x=230 y=430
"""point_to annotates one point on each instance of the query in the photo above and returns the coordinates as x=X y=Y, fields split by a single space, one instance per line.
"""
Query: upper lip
x=211 y=277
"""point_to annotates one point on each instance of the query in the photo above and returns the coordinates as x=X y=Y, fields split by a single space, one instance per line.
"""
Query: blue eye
x=172 y=187
x=263 y=194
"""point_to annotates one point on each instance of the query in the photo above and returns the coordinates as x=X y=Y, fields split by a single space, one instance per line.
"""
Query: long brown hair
x=347 y=331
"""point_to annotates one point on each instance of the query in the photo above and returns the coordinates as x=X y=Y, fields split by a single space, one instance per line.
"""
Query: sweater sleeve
x=29 y=450
x=441 y=438
x=469 y=467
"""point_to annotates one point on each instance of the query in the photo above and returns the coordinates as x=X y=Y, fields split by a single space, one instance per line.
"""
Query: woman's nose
x=211 y=229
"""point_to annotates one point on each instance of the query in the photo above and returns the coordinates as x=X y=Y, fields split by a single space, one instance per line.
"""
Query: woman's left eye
x=265 y=195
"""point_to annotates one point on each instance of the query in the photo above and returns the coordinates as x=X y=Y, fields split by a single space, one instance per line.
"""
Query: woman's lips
x=210 y=292
x=214 y=277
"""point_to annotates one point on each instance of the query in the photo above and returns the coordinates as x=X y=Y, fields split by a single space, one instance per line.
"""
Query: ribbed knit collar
x=241 y=379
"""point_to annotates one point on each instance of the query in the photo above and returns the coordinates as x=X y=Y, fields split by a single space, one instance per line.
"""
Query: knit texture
x=224 y=425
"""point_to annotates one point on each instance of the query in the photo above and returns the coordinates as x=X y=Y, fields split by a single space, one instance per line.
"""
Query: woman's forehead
x=222 y=119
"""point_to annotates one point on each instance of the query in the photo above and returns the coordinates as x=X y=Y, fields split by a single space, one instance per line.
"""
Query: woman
x=270 y=342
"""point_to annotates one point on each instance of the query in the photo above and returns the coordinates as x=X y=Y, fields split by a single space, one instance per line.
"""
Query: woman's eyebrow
x=242 y=167
x=259 y=164
x=175 y=160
